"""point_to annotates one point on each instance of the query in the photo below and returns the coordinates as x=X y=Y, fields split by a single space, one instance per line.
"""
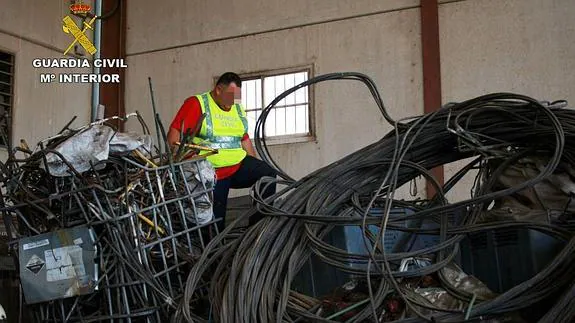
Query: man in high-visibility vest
x=225 y=127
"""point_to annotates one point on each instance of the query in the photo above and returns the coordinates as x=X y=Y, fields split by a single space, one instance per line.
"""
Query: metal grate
x=6 y=96
x=147 y=235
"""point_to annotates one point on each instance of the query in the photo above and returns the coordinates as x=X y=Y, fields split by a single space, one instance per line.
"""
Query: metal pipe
x=96 y=70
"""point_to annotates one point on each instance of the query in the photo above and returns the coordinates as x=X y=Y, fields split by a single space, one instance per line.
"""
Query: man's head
x=227 y=89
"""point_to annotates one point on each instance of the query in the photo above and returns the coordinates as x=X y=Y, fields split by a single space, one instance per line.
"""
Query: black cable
x=110 y=13
x=253 y=276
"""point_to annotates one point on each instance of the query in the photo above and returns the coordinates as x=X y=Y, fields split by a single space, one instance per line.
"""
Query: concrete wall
x=522 y=46
x=33 y=29
x=382 y=41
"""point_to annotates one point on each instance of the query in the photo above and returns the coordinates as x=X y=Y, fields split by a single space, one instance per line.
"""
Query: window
x=290 y=120
x=6 y=96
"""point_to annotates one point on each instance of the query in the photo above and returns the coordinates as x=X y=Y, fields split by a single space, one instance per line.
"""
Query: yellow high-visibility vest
x=222 y=130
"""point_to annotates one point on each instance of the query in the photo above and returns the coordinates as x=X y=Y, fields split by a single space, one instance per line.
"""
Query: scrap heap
x=403 y=259
x=111 y=229
x=107 y=225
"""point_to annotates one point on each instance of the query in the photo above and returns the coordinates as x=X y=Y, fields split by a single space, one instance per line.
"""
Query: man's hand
x=249 y=147
x=173 y=137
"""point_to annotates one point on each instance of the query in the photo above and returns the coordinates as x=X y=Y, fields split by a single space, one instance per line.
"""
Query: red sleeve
x=245 y=137
x=189 y=113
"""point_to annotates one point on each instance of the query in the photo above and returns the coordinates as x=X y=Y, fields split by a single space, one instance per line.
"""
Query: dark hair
x=228 y=78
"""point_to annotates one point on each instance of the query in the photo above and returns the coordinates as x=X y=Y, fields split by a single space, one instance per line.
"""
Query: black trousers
x=250 y=171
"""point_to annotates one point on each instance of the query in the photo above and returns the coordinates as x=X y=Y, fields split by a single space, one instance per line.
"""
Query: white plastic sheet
x=92 y=146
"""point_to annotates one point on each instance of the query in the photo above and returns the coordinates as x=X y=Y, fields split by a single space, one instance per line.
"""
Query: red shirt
x=190 y=113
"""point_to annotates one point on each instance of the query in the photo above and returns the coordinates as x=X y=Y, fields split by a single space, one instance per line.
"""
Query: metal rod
x=155 y=118
x=95 y=69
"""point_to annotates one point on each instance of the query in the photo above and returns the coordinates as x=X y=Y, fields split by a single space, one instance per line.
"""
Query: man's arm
x=188 y=116
x=173 y=137
x=248 y=147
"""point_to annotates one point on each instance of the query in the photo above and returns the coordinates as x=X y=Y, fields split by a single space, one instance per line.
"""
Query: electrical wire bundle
x=252 y=271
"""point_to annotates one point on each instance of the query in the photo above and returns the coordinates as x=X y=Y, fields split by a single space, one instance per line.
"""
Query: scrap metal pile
x=523 y=154
x=107 y=225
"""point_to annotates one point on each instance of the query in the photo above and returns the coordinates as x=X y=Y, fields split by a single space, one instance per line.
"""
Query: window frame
x=11 y=105
x=293 y=138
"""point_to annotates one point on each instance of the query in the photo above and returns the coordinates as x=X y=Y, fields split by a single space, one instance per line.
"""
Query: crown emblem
x=80 y=8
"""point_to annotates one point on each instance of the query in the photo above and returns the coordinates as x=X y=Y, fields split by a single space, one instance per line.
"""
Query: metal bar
x=256 y=95
x=262 y=87
x=282 y=106
x=295 y=118
x=156 y=215
x=95 y=69
x=170 y=269
x=307 y=114
x=171 y=179
x=295 y=109
x=285 y=107
x=196 y=147
x=431 y=71
x=251 y=110
x=306 y=120
x=146 y=209
x=181 y=233
x=181 y=206
x=276 y=112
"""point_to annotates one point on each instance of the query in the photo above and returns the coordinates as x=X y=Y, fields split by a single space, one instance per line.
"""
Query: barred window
x=291 y=119
x=6 y=96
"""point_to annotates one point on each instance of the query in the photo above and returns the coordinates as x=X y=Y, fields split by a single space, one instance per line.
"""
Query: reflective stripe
x=242 y=117
x=223 y=145
x=209 y=122
x=221 y=139
x=222 y=142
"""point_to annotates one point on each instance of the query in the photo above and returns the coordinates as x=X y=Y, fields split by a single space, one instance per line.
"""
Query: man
x=225 y=127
